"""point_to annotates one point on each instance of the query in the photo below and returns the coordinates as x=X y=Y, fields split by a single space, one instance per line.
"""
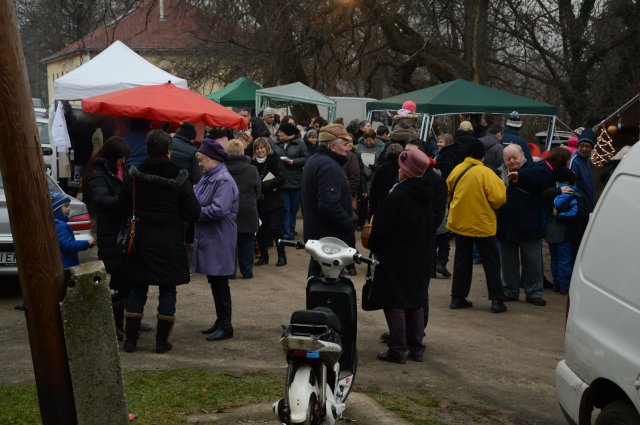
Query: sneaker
x=540 y=302
x=457 y=303
x=497 y=306
x=442 y=269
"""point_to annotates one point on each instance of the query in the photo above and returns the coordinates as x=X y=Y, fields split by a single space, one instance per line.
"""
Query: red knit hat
x=409 y=105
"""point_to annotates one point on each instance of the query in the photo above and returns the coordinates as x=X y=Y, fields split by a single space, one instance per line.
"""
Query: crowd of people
x=229 y=197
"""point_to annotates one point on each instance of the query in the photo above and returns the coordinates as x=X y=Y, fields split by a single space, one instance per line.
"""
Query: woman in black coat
x=270 y=206
x=103 y=181
x=248 y=181
x=401 y=234
x=385 y=176
x=164 y=199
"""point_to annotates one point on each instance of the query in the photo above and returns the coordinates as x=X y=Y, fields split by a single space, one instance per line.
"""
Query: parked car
x=45 y=143
x=39 y=108
x=600 y=374
x=79 y=220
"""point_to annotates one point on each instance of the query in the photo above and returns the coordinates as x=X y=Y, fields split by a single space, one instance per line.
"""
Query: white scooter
x=320 y=342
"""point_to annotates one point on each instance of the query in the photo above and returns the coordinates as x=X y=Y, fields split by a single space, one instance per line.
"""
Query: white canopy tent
x=115 y=68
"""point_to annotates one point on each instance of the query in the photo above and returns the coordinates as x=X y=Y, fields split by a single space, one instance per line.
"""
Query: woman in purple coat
x=214 y=244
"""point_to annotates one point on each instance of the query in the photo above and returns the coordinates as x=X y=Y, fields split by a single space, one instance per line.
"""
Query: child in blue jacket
x=563 y=235
x=69 y=246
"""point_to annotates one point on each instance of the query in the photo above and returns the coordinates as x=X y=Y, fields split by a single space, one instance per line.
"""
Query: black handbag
x=367 y=293
x=127 y=235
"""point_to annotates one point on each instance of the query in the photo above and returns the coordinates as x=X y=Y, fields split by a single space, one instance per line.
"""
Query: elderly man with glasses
x=326 y=197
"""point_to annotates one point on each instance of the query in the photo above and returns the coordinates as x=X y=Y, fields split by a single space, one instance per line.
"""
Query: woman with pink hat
x=401 y=234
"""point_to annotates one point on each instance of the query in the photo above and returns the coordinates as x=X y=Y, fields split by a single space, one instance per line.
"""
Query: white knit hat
x=514 y=120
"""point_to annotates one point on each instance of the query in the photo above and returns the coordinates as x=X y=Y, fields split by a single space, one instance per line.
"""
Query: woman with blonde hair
x=270 y=205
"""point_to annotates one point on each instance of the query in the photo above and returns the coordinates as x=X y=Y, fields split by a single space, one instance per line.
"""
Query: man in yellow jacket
x=475 y=193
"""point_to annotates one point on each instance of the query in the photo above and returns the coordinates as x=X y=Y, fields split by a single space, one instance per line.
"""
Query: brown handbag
x=364 y=234
x=127 y=236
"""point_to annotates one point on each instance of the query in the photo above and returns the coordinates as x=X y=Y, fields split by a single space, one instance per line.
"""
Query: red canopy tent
x=164 y=102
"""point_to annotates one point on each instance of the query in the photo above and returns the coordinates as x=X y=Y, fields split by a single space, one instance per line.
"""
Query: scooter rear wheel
x=312 y=411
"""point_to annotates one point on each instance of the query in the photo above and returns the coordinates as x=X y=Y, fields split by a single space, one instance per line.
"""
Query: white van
x=600 y=374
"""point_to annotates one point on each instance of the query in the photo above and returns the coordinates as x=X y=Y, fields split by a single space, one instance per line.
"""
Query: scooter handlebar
x=359 y=258
x=287 y=242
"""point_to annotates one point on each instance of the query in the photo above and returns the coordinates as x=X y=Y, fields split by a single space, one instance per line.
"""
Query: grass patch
x=162 y=397
x=416 y=410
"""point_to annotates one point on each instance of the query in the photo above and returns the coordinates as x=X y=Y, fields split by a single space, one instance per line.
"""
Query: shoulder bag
x=367 y=293
x=458 y=179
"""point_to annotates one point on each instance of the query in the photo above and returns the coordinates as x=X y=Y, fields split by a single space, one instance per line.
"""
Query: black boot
x=442 y=269
x=216 y=324
x=223 y=295
x=165 y=325
x=131 y=328
x=264 y=259
x=282 y=257
x=118 y=317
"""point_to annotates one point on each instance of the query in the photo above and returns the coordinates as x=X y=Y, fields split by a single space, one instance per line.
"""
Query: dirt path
x=494 y=368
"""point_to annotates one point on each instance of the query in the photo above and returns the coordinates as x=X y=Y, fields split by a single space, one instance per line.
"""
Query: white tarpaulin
x=116 y=68
x=59 y=131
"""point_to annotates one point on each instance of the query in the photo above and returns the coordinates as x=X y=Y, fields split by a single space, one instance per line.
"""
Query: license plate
x=7 y=258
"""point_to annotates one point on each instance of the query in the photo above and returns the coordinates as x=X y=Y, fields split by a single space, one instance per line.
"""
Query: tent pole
x=550 y=130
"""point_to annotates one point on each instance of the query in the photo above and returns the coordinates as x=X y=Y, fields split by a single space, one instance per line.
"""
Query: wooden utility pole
x=32 y=225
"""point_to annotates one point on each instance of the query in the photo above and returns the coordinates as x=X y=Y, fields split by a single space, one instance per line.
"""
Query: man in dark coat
x=583 y=167
x=326 y=197
x=183 y=152
x=401 y=237
x=521 y=226
x=493 y=157
x=164 y=198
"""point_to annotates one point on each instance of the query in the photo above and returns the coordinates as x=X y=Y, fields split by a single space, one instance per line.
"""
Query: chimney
x=162 y=18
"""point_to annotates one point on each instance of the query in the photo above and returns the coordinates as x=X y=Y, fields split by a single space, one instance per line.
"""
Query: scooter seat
x=317 y=316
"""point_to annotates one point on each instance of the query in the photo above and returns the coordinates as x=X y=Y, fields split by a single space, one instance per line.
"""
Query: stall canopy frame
x=290 y=94
x=465 y=97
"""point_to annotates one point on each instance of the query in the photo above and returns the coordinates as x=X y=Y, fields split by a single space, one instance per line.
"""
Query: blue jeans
x=561 y=265
x=166 y=299
x=245 y=248
x=521 y=268
x=291 y=200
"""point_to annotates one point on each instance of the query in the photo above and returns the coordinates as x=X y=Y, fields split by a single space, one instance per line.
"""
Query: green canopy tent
x=290 y=94
x=465 y=97
x=240 y=93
